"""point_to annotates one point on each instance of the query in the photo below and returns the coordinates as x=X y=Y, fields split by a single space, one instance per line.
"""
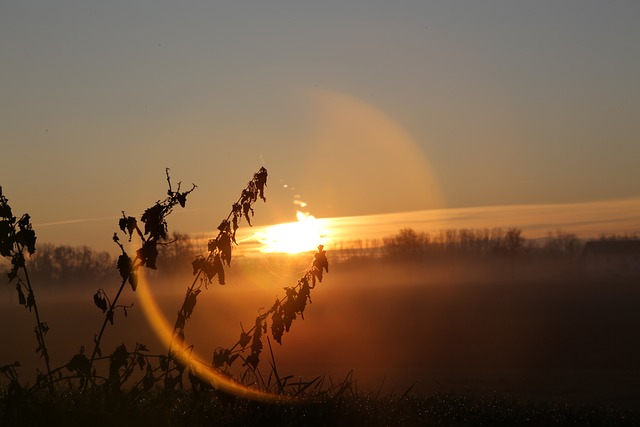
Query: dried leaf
x=133 y=281
x=277 y=326
x=27 y=237
x=190 y=303
x=219 y=268
x=246 y=208
x=124 y=266
x=141 y=361
x=80 y=364
x=224 y=244
x=182 y=199
x=198 y=264
x=320 y=263
x=154 y=223
x=100 y=301
x=31 y=300
x=21 y=299
x=244 y=340
x=256 y=344
x=128 y=224
x=148 y=254
x=220 y=357
x=260 y=179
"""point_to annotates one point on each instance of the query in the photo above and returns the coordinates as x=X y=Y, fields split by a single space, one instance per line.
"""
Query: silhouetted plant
x=283 y=312
x=205 y=269
x=16 y=237
x=155 y=232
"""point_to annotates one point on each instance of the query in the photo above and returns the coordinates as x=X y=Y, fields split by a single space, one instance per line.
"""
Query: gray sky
x=359 y=107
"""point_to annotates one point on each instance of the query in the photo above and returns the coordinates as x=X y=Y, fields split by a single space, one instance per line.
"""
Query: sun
x=303 y=235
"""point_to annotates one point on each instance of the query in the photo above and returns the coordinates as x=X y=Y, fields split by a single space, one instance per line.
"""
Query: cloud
x=74 y=221
x=587 y=220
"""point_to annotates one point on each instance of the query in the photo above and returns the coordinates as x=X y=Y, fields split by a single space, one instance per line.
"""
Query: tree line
x=483 y=242
x=70 y=265
x=61 y=264
x=411 y=245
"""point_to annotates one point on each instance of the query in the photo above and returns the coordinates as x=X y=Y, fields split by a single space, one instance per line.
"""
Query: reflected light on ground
x=303 y=235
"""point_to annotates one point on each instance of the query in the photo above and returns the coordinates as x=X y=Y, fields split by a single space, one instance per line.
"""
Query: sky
x=354 y=107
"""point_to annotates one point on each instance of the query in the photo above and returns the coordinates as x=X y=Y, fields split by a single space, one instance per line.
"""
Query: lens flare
x=185 y=354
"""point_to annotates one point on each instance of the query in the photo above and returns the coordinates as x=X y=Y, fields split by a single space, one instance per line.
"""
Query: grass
x=186 y=408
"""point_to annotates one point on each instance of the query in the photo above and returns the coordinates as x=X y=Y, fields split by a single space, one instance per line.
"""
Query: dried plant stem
x=155 y=229
x=219 y=249
x=98 y=339
x=39 y=329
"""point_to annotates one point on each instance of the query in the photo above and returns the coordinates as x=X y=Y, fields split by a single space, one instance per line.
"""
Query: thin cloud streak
x=103 y=218
x=74 y=221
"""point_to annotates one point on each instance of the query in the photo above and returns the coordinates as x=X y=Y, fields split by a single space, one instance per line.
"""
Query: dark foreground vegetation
x=209 y=408
x=452 y=314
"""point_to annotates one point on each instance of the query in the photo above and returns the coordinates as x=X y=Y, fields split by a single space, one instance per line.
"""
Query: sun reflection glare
x=293 y=237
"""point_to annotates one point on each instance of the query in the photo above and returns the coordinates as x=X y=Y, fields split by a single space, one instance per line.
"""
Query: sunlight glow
x=293 y=237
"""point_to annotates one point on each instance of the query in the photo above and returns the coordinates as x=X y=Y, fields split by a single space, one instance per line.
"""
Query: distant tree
x=466 y=239
x=513 y=246
x=562 y=244
x=407 y=244
x=482 y=242
x=177 y=256
x=497 y=241
x=618 y=237
x=514 y=241
x=61 y=264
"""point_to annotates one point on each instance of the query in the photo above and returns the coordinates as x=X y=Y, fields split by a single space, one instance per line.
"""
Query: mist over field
x=536 y=329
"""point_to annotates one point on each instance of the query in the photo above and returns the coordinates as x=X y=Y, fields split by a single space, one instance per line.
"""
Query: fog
x=528 y=331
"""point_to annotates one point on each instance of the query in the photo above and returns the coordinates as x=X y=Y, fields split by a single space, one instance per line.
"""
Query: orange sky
x=586 y=220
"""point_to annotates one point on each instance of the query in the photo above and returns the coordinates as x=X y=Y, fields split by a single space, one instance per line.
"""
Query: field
x=451 y=334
